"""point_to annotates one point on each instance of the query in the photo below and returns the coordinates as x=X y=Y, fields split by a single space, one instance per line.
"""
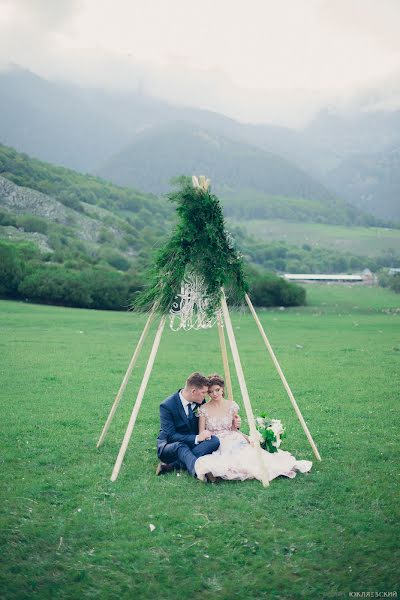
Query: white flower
x=278 y=441
x=264 y=424
x=276 y=426
x=152 y=527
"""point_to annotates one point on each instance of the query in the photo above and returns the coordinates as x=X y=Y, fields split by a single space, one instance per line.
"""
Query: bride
x=236 y=458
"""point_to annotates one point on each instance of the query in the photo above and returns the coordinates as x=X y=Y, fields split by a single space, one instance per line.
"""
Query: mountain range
x=53 y=217
x=337 y=159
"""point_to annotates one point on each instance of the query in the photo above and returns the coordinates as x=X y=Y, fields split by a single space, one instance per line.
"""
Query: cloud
x=41 y=14
x=29 y=28
x=377 y=23
x=259 y=61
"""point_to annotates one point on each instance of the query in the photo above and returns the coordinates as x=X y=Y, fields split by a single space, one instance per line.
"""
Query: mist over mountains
x=141 y=141
x=233 y=165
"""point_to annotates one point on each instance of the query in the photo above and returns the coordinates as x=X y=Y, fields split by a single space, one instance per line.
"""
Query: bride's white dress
x=236 y=458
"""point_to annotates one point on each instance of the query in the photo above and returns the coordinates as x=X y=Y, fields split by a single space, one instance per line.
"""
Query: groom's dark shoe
x=211 y=478
x=164 y=468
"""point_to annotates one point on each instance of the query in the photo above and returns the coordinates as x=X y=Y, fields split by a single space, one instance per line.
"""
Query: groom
x=179 y=442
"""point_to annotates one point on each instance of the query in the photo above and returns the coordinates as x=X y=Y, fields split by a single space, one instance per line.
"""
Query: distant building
x=366 y=277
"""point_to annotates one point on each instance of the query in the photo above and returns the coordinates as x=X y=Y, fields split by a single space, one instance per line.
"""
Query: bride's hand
x=237 y=421
x=204 y=435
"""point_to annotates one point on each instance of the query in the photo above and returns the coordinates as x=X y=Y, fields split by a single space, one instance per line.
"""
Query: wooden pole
x=224 y=353
x=243 y=389
x=283 y=378
x=139 y=399
x=126 y=377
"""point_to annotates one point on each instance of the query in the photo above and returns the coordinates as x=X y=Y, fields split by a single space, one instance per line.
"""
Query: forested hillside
x=87 y=242
x=252 y=183
x=71 y=188
x=71 y=238
x=156 y=154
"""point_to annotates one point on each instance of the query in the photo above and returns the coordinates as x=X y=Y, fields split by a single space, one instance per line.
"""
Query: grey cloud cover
x=257 y=60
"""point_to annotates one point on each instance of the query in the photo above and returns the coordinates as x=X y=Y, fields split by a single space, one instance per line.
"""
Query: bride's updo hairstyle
x=216 y=379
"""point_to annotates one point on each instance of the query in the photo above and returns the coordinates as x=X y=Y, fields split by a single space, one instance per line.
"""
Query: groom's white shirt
x=185 y=404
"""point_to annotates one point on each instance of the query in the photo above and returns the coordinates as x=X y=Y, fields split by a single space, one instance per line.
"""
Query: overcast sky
x=275 y=61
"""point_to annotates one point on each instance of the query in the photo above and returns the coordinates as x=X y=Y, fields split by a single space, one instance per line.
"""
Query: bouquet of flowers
x=271 y=432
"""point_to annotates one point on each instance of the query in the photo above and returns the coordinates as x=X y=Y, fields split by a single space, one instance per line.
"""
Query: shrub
x=105 y=236
x=384 y=278
x=394 y=283
x=32 y=223
x=118 y=261
x=270 y=290
x=11 y=269
x=56 y=285
x=7 y=218
x=93 y=288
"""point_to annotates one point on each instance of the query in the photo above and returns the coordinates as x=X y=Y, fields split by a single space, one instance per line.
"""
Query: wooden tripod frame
x=223 y=318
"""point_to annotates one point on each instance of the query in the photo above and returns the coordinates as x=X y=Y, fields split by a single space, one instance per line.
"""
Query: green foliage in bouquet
x=268 y=439
x=199 y=245
x=271 y=431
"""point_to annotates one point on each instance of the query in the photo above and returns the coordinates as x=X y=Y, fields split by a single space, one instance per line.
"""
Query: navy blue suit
x=176 y=440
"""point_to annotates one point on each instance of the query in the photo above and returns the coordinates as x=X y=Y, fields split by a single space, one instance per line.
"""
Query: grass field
x=363 y=241
x=68 y=532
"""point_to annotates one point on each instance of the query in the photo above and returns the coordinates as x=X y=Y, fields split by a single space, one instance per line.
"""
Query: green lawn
x=363 y=241
x=68 y=532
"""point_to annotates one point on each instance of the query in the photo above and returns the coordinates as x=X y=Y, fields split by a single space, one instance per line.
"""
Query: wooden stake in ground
x=139 y=399
x=227 y=373
x=243 y=389
x=283 y=378
x=126 y=378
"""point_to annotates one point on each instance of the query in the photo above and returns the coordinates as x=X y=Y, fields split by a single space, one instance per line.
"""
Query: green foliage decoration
x=200 y=245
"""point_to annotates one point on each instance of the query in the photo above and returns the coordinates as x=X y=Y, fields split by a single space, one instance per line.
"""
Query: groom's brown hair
x=197 y=380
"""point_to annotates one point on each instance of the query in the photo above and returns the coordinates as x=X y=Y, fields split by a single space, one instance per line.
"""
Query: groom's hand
x=204 y=435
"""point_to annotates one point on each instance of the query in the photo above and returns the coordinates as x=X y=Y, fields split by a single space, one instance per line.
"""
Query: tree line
x=24 y=276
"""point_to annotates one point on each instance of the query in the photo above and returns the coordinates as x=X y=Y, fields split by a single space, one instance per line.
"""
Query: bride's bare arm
x=245 y=436
x=202 y=424
x=236 y=422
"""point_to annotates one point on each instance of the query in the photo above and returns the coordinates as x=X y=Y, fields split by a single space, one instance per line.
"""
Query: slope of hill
x=78 y=217
x=359 y=241
x=341 y=135
x=76 y=127
x=71 y=187
x=370 y=181
x=353 y=154
x=54 y=122
x=157 y=155
x=251 y=182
